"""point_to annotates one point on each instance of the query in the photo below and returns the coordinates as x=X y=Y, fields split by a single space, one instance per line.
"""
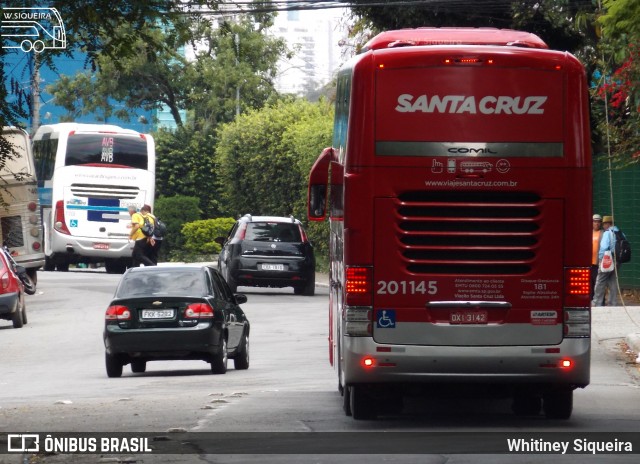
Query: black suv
x=268 y=251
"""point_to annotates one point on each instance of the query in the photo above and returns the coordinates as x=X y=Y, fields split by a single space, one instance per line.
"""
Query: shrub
x=199 y=236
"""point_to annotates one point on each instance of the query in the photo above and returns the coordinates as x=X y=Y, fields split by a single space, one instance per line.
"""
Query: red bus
x=458 y=189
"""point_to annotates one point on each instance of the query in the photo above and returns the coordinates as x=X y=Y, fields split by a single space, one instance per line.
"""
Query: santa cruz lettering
x=459 y=104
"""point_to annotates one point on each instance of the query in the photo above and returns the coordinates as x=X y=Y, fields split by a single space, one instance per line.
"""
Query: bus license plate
x=100 y=246
x=157 y=313
x=469 y=317
x=273 y=267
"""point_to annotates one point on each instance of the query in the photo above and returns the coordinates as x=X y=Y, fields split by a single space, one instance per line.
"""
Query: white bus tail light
x=59 y=222
x=359 y=285
x=358 y=321
x=577 y=323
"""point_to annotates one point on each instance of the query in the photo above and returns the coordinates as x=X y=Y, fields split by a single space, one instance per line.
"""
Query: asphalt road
x=52 y=379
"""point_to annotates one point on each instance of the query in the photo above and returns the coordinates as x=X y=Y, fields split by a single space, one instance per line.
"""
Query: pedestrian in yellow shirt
x=140 y=254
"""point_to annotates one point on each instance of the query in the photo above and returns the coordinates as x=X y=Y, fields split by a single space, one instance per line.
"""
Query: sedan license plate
x=157 y=313
x=273 y=267
x=468 y=317
x=100 y=246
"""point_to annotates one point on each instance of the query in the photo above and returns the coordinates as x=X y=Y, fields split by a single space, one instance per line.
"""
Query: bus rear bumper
x=511 y=365
x=91 y=247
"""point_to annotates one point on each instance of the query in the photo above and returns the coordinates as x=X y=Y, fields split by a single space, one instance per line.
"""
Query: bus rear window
x=107 y=149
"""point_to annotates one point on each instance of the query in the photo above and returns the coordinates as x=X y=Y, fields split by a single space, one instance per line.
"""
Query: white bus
x=88 y=175
x=19 y=208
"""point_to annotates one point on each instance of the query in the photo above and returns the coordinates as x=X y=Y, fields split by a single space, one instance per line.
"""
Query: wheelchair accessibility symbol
x=386 y=319
x=73 y=223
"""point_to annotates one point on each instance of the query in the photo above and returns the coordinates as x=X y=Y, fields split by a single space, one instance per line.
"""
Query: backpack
x=147 y=228
x=160 y=229
x=622 y=248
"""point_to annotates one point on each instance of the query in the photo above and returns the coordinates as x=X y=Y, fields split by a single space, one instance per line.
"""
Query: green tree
x=264 y=158
x=175 y=212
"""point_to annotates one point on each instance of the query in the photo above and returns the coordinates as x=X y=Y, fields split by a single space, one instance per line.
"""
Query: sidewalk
x=611 y=322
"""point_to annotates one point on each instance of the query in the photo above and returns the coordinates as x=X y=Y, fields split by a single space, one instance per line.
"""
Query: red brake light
x=117 y=313
x=59 y=221
x=368 y=361
x=198 y=311
x=566 y=363
x=359 y=282
x=577 y=287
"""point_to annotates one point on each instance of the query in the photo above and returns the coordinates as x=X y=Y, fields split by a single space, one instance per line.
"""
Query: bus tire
x=49 y=264
x=526 y=404
x=63 y=266
x=558 y=404
x=362 y=405
x=346 y=400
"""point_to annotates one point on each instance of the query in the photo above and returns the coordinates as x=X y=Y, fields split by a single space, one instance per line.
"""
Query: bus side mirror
x=317 y=202
x=318 y=185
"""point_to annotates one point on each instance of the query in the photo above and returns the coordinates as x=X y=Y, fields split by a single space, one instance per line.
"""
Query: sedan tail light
x=198 y=311
x=5 y=280
x=118 y=313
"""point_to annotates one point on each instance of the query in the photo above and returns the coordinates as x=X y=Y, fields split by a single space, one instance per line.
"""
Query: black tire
x=241 y=361
x=29 y=284
x=24 y=314
x=309 y=289
x=362 y=405
x=346 y=401
x=558 y=404
x=62 y=267
x=49 y=264
x=526 y=404
x=113 y=365
x=219 y=360
x=33 y=274
x=138 y=366
x=17 y=319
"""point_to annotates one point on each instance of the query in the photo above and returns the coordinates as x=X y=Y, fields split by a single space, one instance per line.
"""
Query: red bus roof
x=454 y=36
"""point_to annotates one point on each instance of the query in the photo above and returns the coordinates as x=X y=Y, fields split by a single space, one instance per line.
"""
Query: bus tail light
x=59 y=222
x=577 y=286
x=577 y=323
x=359 y=285
x=358 y=321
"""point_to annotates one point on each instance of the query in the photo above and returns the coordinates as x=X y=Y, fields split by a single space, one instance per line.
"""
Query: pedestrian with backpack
x=159 y=229
x=140 y=221
x=607 y=280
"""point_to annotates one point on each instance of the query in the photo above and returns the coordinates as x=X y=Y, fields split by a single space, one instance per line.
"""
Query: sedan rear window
x=273 y=232
x=169 y=282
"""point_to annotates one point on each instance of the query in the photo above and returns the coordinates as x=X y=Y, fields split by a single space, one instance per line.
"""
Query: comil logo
x=34 y=29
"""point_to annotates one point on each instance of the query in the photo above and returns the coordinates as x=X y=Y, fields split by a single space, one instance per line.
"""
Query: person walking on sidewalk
x=595 y=248
x=140 y=254
x=607 y=281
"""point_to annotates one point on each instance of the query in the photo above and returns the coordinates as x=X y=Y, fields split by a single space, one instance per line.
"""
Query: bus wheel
x=526 y=405
x=62 y=267
x=558 y=404
x=346 y=400
x=49 y=264
x=362 y=405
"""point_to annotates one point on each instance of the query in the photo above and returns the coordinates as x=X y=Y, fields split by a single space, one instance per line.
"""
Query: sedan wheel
x=17 y=318
x=219 y=360
x=113 y=365
x=241 y=361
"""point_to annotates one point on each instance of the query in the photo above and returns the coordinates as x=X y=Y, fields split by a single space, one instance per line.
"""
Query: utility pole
x=35 y=92
x=236 y=40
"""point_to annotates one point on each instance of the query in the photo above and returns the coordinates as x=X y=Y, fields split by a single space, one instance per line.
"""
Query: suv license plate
x=273 y=267
x=469 y=317
x=157 y=313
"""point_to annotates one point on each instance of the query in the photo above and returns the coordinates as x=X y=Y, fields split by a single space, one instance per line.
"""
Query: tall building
x=313 y=36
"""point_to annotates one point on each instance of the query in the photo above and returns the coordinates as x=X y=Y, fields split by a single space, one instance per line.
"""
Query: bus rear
x=90 y=176
x=20 y=209
x=464 y=240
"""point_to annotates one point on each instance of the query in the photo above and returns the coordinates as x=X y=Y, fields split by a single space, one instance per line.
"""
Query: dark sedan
x=175 y=312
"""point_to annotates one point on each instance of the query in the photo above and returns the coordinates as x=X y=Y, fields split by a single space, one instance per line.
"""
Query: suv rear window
x=273 y=232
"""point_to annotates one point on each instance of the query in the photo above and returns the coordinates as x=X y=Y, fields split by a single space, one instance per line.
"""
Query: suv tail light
x=118 y=313
x=198 y=311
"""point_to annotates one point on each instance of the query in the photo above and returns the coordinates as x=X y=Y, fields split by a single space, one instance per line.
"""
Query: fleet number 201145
x=403 y=287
